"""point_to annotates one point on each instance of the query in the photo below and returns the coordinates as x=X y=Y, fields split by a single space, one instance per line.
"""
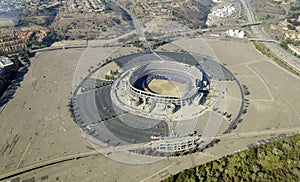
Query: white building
x=241 y=34
x=236 y=33
x=4 y=61
x=225 y=11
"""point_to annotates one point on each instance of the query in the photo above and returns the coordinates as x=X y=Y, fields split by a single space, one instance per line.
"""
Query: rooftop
x=4 y=61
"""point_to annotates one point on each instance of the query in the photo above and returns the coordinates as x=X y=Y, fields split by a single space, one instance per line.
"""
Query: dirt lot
x=234 y=53
x=105 y=70
x=39 y=113
x=274 y=101
x=167 y=88
x=233 y=99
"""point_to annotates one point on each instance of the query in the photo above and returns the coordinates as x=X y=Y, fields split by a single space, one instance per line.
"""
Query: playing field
x=167 y=88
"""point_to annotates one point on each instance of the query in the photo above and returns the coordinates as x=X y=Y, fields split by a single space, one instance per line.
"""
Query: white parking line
x=23 y=155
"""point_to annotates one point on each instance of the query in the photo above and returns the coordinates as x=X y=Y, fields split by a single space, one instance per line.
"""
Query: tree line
x=274 y=161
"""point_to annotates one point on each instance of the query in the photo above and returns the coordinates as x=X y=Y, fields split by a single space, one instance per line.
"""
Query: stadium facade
x=137 y=82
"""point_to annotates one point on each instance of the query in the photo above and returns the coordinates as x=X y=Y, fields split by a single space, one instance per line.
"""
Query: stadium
x=160 y=103
x=162 y=84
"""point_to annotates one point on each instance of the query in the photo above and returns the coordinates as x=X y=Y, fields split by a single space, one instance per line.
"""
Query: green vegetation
x=33 y=43
x=244 y=18
x=138 y=44
x=295 y=6
x=118 y=63
x=97 y=85
x=192 y=14
x=275 y=161
x=288 y=41
x=112 y=74
x=292 y=23
x=266 y=16
x=42 y=16
x=157 y=43
x=285 y=43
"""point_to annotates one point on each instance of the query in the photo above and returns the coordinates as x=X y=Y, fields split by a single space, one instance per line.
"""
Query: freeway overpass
x=58 y=47
x=275 y=49
x=262 y=40
x=251 y=24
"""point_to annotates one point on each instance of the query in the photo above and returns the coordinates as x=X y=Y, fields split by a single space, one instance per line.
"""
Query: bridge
x=251 y=24
x=58 y=47
x=262 y=40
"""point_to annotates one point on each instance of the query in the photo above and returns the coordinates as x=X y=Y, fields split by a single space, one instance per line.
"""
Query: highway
x=263 y=40
x=139 y=31
x=274 y=48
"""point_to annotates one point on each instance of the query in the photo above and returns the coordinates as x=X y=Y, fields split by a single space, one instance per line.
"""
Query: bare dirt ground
x=169 y=47
x=274 y=101
x=6 y=22
x=234 y=53
x=197 y=45
x=202 y=122
x=69 y=42
x=39 y=115
x=36 y=125
x=233 y=99
x=89 y=60
x=167 y=88
x=106 y=69
x=159 y=25
x=123 y=51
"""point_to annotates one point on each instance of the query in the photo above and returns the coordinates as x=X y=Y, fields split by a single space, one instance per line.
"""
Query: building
x=236 y=33
x=186 y=82
x=4 y=62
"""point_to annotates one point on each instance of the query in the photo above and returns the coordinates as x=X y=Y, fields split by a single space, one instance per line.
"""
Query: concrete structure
x=159 y=89
x=225 y=11
x=4 y=62
x=236 y=33
x=141 y=76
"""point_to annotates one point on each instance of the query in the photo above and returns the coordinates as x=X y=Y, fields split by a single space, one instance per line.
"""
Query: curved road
x=138 y=29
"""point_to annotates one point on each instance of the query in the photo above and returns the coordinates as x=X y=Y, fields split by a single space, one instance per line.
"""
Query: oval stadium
x=159 y=88
x=165 y=82
x=160 y=104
